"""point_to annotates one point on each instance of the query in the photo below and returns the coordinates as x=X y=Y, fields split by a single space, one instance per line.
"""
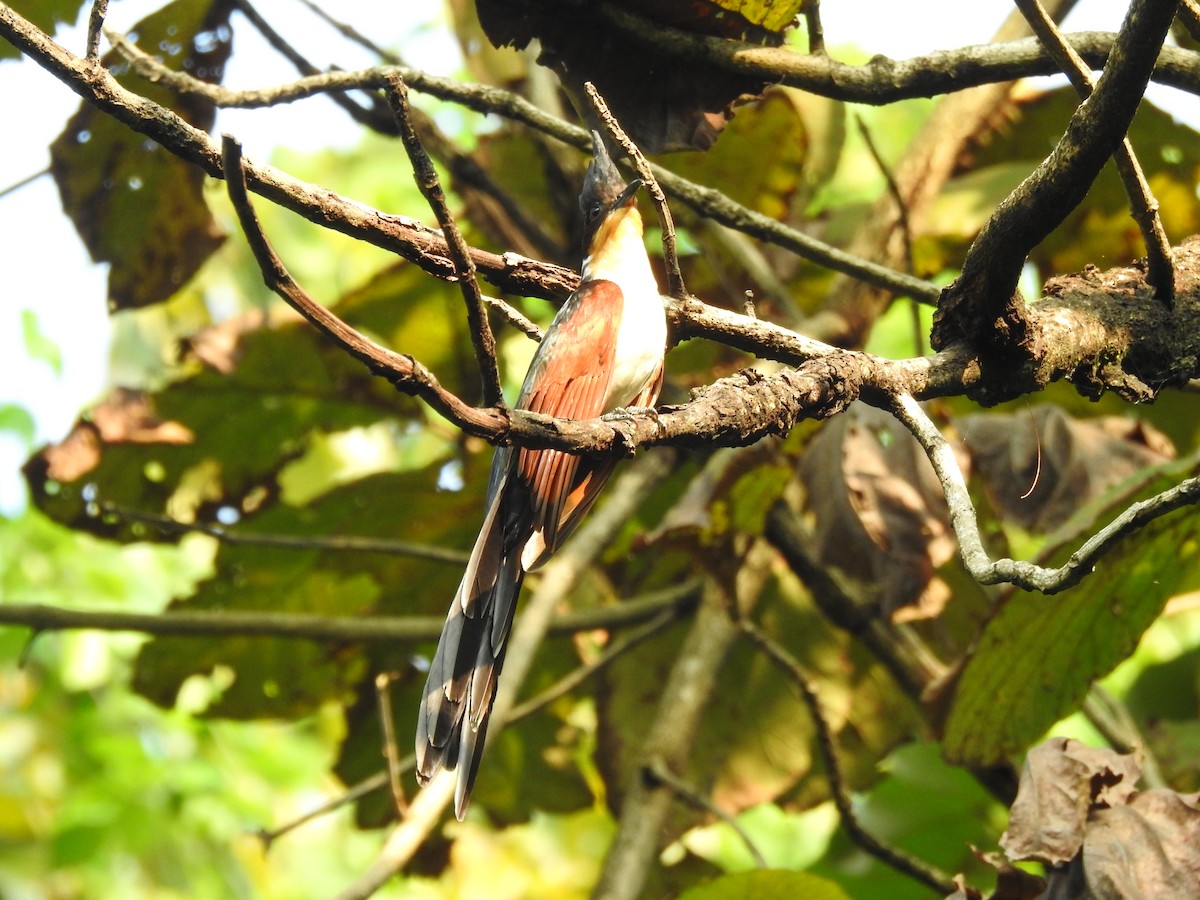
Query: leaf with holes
x=135 y=204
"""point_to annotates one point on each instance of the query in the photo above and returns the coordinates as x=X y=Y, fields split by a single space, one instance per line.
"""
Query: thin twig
x=331 y=629
x=513 y=317
x=899 y=860
x=352 y=795
x=660 y=772
x=577 y=676
x=405 y=839
x=707 y=201
x=904 y=223
x=675 y=286
x=27 y=180
x=1024 y=574
x=339 y=543
x=1189 y=16
x=358 y=113
x=351 y=33
x=95 y=27
x=1142 y=202
x=816 y=31
x=405 y=372
x=427 y=180
x=383 y=682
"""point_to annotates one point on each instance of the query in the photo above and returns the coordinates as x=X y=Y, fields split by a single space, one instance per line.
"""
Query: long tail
x=461 y=686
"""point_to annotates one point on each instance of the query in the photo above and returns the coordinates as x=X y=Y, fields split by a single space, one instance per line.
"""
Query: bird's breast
x=641 y=342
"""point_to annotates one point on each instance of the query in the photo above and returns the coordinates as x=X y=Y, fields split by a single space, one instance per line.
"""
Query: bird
x=603 y=351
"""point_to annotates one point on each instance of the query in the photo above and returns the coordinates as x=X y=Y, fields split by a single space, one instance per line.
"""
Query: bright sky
x=47 y=269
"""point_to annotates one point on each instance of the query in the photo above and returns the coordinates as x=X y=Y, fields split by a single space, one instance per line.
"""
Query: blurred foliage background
x=159 y=768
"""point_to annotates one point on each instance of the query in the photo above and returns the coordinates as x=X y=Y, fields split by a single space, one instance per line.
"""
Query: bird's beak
x=626 y=196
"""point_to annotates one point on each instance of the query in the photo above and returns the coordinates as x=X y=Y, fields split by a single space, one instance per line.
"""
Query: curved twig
x=1027 y=575
x=658 y=770
x=926 y=874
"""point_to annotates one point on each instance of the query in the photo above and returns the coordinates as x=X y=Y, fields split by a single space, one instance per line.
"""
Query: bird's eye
x=594 y=212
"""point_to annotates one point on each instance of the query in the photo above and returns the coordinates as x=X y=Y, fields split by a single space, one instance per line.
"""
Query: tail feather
x=461 y=685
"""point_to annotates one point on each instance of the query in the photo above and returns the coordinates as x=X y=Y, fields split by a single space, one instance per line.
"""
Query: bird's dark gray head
x=603 y=182
x=604 y=190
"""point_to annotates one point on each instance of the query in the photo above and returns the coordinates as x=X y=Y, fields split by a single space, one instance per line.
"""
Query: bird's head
x=606 y=201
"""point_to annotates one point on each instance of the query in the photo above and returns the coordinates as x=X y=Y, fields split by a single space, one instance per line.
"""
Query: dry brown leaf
x=124 y=417
x=879 y=513
x=1061 y=781
x=1147 y=848
x=1041 y=465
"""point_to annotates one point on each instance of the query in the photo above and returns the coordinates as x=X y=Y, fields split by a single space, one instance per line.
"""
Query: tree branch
x=1142 y=203
x=95 y=26
x=670 y=733
x=1026 y=575
x=914 y=868
x=657 y=770
x=675 y=287
x=464 y=269
x=981 y=306
x=707 y=201
x=238 y=537
x=327 y=629
x=883 y=80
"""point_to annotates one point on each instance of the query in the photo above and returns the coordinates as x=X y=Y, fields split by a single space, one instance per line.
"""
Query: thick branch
x=1156 y=346
x=981 y=305
x=1142 y=204
x=883 y=80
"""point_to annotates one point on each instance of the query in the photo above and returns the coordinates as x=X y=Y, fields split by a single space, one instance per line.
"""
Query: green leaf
x=46 y=15
x=767 y=884
x=276 y=677
x=134 y=204
x=1101 y=228
x=759 y=160
x=18 y=420
x=37 y=345
x=1038 y=655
